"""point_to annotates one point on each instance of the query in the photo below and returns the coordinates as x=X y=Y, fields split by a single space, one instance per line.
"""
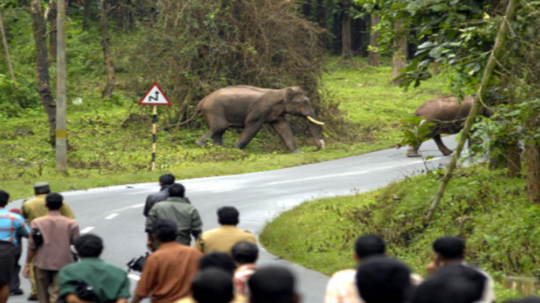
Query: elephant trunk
x=315 y=127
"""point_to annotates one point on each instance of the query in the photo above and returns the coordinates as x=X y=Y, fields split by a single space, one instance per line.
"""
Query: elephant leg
x=218 y=126
x=412 y=152
x=200 y=142
x=248 y=134
x=217 y=137
x=284 y=130
x=445 y=150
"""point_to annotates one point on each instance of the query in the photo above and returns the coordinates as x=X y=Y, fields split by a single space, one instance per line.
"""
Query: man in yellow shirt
x=36 y=208
x=223 y=238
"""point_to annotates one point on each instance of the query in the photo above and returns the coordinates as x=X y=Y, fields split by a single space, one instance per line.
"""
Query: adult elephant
x=448 y=115
x=250 y=108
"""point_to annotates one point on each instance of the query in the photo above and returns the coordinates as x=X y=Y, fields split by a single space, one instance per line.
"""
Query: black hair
x=177 y=190
x=212 y=285
x=165 y=230
x=54 y=201
x=450 y=247
x=245 y=252
x=272 y=284
x=218 y=260
x=452 y=284
x=4 y=198
x=383 y=280
x=228 y=215
x=89 y=246
x=167 y=179
x=369 y=245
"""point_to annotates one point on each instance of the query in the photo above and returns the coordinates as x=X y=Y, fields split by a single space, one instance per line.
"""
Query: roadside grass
x=485 y=207
x=110 y=140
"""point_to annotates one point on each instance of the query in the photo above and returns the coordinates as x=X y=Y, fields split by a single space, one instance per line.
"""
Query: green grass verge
x=486 y=208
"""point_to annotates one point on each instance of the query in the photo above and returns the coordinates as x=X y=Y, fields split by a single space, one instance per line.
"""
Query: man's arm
x=148 y=205
x=199 y=244
x=29 y=258
x=147 y=282
x=196 y=224
x=74 y=233
x=72 y=298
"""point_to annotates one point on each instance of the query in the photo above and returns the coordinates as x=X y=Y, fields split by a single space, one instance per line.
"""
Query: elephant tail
x=197 y=111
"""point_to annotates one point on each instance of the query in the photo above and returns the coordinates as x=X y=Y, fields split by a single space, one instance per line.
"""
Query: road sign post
x=154 y=97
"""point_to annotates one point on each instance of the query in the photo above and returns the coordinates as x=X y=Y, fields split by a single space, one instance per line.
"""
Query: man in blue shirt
x=11 y=225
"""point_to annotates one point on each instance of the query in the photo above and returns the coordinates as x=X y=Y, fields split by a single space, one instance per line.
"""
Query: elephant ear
x=289 y=94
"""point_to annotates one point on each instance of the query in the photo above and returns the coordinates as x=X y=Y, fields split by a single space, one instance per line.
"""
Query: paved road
x=115 y=213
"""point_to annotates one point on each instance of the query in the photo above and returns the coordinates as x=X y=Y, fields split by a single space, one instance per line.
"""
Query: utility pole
x=61 y=132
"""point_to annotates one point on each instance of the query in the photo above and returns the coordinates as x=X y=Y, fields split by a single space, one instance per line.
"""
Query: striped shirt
x=12 y=225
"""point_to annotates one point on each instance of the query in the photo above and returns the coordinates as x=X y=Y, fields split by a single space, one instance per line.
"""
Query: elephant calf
x=250 y=108
x=449 y=116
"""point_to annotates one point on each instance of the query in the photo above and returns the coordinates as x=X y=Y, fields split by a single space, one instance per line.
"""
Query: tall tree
x=52 y=16
x=119 y=10
x=346 y=39
x=373 y=59
x=106 y=46
x=6 y=47
x=39 y=29
x=399 y=58
x=306 y=8
x=321 y=13
x=86 y=15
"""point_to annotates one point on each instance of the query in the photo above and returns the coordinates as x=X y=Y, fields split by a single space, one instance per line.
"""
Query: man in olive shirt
x=109 y=283
x=181 y=212
x=168 y=272
x=35 y=208
x=223 y=238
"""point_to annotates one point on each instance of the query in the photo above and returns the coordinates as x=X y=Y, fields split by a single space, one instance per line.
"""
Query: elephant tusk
x=314 y=121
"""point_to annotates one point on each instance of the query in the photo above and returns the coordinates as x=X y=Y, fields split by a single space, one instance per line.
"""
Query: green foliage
x=415 y=130
x=486 y=208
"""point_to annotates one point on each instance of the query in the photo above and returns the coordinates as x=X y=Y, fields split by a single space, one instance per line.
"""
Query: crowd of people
x=221 y=267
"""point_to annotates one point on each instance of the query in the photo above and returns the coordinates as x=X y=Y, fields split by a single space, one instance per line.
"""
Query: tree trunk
x=130 y=16
x=358 y=28
x=106 y=45
x=321 y=13
x=514 y=161
x=119 y=15
x=373 y=58
x=532 y=162
x=306 y=8
x=86 y=15
x=346 y=41
x=39 y=28
x=51 y=16
x=486 y=77
x=6 y=48
x=400 y=52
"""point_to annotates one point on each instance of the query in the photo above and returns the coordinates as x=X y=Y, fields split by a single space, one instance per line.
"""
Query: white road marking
x=138 y=205
x=223 y=190
x=351 y=173
x=86 y=230
x=134 y=277
x=111 y=216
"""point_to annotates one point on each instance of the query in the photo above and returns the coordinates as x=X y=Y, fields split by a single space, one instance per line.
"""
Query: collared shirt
x=168 y=272
x=58 y=233
x=37 y=207
x=11 y=226
x=182 y=213
x=152 y=199
x=241 y=276
x=342 y=287
x=109 y=282
x=223 y=238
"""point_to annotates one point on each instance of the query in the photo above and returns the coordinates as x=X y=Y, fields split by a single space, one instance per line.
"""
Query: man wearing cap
x=36 y=208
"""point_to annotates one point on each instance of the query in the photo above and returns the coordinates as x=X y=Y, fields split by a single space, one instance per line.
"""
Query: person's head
x=383 y=280
x=89 y=246
x=245 y=253
x=451 y=284
x=228 y=215
x=272 y=284
x=218 y=260
x=212 y=285
x=165 y=230
x=42 y=188
x=177 y=190
x=166 y=180
x=449 y=249
x=54 y=201
x=369 y=246
x=4 y=198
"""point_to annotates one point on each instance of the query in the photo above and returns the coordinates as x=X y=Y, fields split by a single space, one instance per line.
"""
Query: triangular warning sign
x=155 y=96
